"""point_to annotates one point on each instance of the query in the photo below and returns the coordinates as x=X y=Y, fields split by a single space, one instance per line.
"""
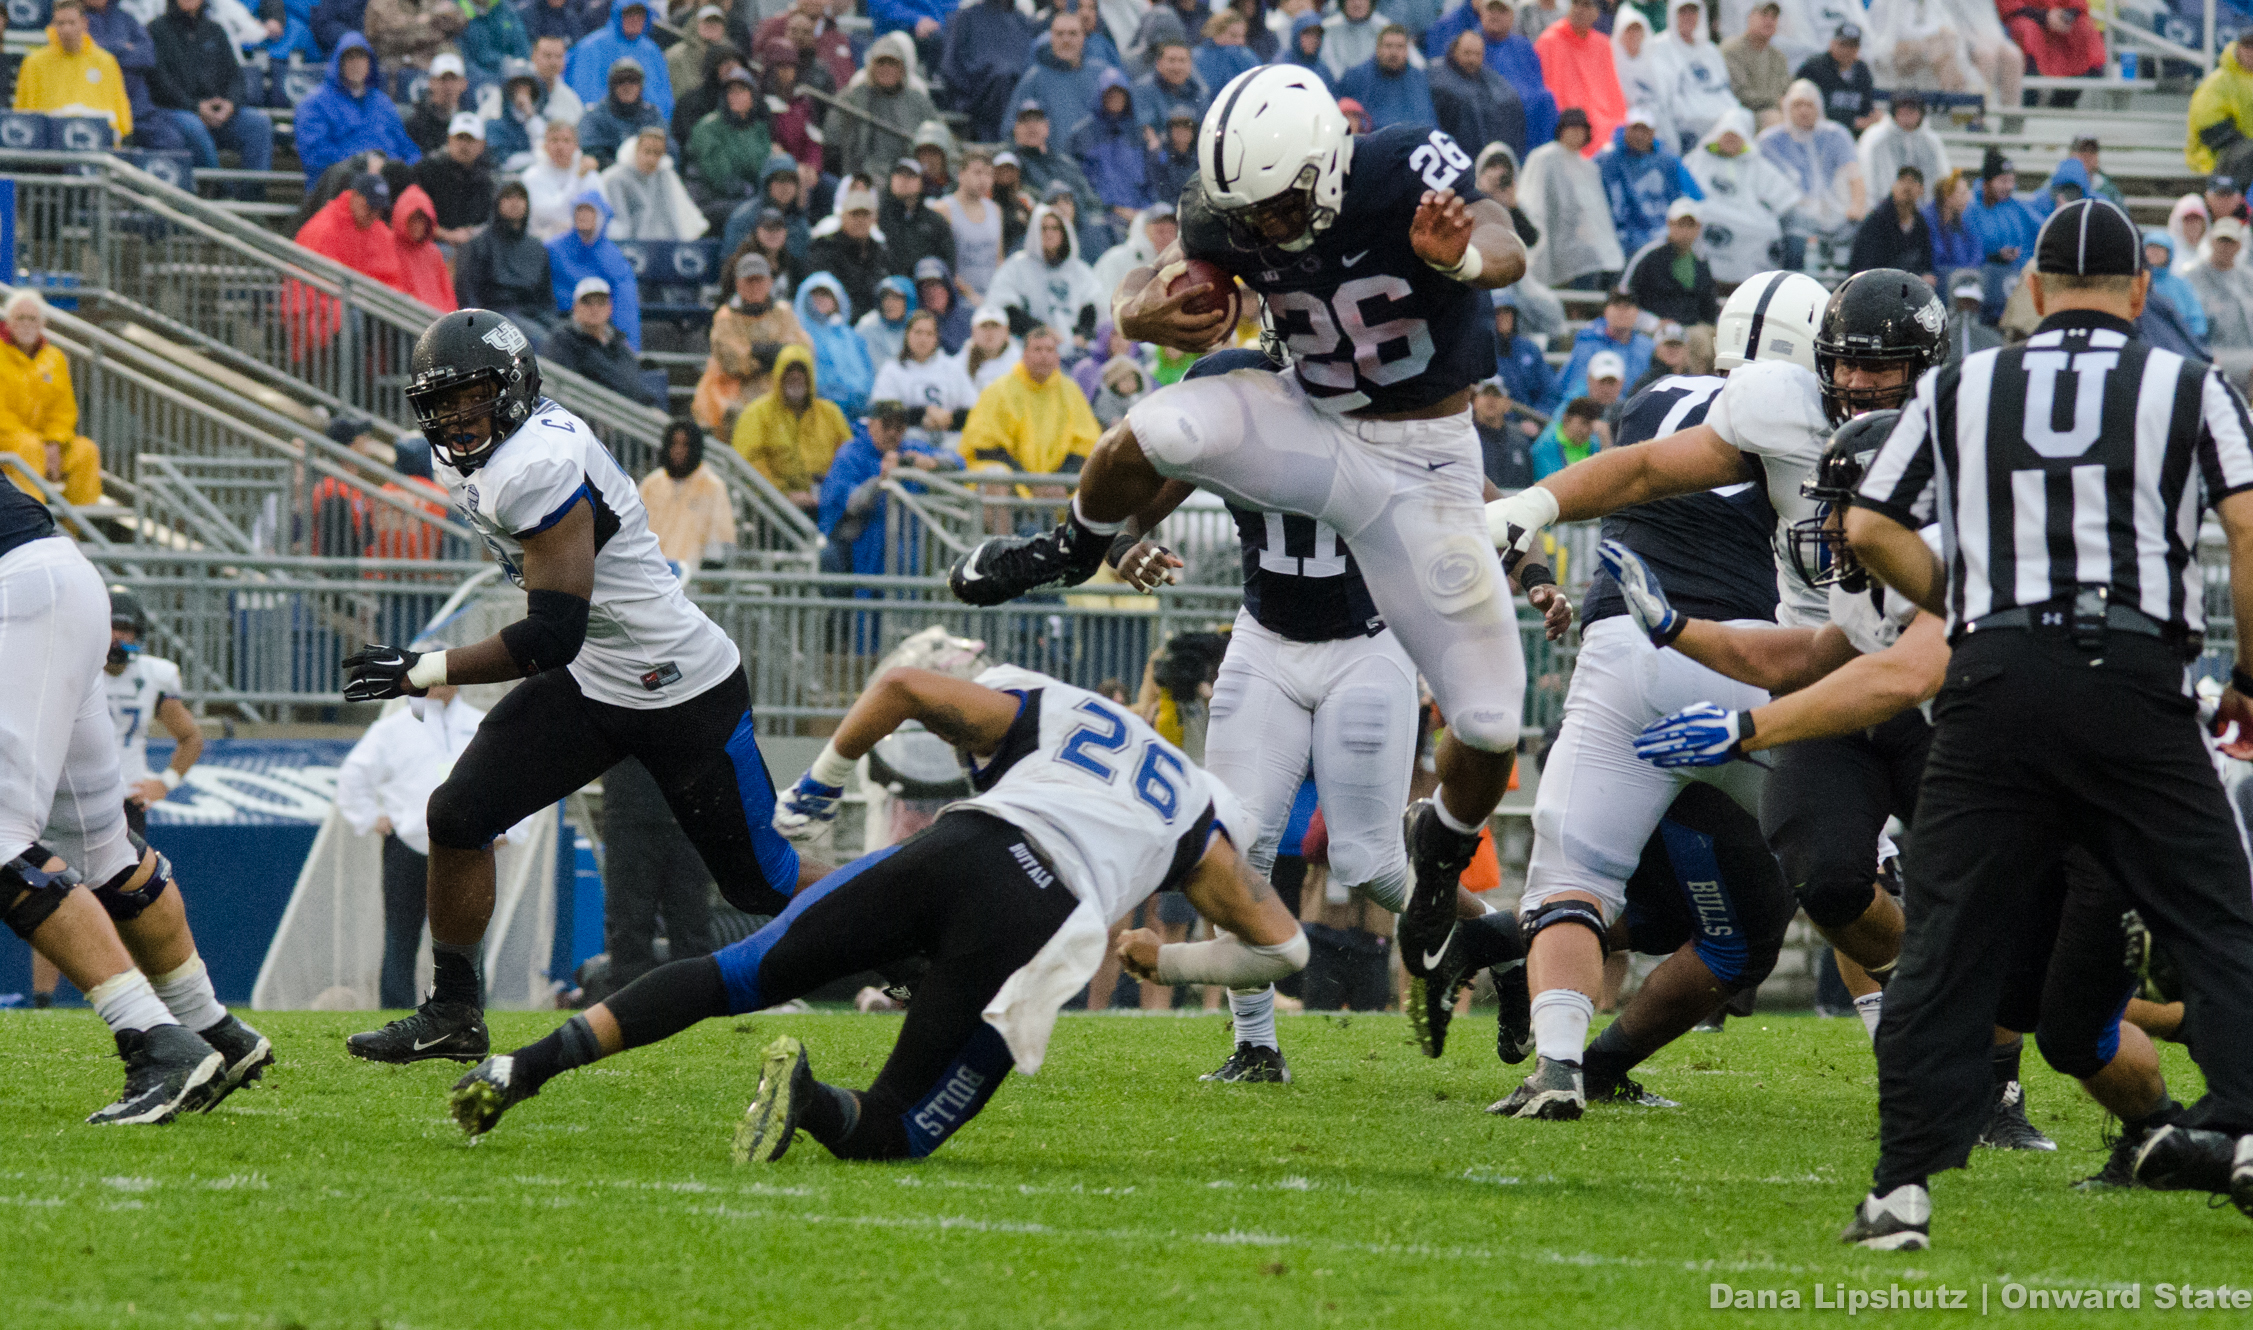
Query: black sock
x=2003 y=1059
x=668 y=1000
x=1883 y=1186
x=2168 y=1111
x=1611 y=1056
x=1493 y=939
x=1439 y=841
x=569 y=1045
x=832 y=1111
x=454 y=977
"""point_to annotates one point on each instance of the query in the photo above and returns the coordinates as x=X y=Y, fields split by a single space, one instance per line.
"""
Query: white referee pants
x=1349 y=708
x=60 y=783
x=1406 y=495
x=1598 y=802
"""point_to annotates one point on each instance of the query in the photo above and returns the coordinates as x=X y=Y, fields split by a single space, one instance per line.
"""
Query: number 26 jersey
x=1369 y=325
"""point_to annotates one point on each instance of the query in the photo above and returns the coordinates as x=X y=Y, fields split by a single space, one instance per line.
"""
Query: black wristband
x=2241 y=681
x=1120 y=544
x=1531 y=575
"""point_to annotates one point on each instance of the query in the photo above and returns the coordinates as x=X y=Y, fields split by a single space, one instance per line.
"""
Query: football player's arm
x=1865 y=691
x=1694 y=459
x=1475 y=243
x=962 y=713
x=174 y=716
x=1143 y=563
x=1780 y=660
x=1897 y=556
x=559 y=584
x=1142 y=311
x=1258 y=941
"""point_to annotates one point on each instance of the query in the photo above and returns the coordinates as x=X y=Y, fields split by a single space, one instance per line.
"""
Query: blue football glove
x=1646 y=599
x=1699 y=735
x=807 y=807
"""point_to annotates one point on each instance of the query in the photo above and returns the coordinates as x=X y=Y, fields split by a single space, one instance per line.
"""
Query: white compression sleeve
x=1227 y=960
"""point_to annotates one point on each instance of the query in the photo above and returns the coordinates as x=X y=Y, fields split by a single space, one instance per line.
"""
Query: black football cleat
x=2007 y=1127
x=1553 y=1093
x=1899 y=1221
x=169 y=1070
x=2241 y=1176
x=1002 y=568
x=786 y=1082
x=2119 y=1166
x=1437 y=857
x=1513 y=1032
x=450 y=1030
x=1628 y=1091
x=2176 y=1158
x=490 y=1089
x=1252 y=1064
x=1476 y=944
x=248 y=1055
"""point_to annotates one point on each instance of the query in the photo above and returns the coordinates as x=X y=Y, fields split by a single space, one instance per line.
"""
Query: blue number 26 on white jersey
x=1156 y=777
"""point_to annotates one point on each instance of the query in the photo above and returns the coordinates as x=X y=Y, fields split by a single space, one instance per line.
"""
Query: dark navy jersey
x=22 y=518
x=1711 y=551
x=1369 y=325
x=1300 y=580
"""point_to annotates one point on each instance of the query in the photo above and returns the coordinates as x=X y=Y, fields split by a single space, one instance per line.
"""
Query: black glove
x=380 y=672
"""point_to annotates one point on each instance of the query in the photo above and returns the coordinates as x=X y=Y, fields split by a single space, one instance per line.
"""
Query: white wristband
x=1530 y=509
x=832 y=767
x=431 y=669
x=1467 y=268
x=170 y=778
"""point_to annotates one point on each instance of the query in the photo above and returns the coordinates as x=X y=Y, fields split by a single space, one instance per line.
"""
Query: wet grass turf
x=1113 y=1189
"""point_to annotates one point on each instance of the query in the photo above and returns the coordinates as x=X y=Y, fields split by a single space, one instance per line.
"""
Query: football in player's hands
x=1221 y=299
x=806 y=807
x=1639 y=587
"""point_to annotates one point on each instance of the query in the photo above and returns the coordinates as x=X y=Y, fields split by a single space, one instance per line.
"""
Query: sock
x=456 y=978
x=1447 y=819
x=1870 y=1006
x=2003 y=1060
x=2168 y=1111
x=1560 y=1023
x=187 y=992
x=1079 y=515
x=1491 y=939
x=569 y=1045
x=126 y=1002
x=1612 y=1056
x=1254 y=1010
x=832 y=1112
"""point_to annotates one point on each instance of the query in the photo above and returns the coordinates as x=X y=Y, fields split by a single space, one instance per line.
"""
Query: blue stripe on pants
x=739 y=962
x=777 y=858
x=1720 y=939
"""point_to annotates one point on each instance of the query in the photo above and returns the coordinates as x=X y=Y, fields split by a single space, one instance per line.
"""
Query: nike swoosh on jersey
x=1434 y=466
x=1355 y=259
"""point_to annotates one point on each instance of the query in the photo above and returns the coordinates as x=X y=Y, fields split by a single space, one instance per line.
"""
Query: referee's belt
x=2057 y=616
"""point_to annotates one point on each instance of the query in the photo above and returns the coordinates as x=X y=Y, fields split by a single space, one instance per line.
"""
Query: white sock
x=1254 y=1010
x=126 y=1002
x=1560 y=1023
x=187 y=991
x=1079 y=515
x=1869 y=1007
x=1447 y=819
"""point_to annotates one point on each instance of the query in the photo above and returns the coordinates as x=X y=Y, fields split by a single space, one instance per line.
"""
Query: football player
x=1373 y=255
x=1080 y=812
x=124 y=942
x=616 y=660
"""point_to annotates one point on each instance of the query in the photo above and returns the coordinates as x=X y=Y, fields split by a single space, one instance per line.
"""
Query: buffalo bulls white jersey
x=1119 y=812
x=133 y=696
x=1773 y=409
x=647 y=645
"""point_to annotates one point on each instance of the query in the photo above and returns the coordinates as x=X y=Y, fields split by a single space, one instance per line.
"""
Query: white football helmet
x=1273 y=154
x=1773 y=316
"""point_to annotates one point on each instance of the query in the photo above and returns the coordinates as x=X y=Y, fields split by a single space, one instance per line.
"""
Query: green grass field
x=1113 y=1189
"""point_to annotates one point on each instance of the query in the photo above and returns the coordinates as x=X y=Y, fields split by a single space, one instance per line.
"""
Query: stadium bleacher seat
x=677 y=278
x=23 y=131
x=79 y=133
x=28 y=14
x=177 y=168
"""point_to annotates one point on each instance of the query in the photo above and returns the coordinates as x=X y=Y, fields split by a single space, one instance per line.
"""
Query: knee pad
x=1551 y=913
x=1834 y=900
x=451 y=817
x=29 y=893
x=1488 y=729
x=135 y=889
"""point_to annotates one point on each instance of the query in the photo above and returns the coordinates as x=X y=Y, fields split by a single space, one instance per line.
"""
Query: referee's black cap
x=2089 y=238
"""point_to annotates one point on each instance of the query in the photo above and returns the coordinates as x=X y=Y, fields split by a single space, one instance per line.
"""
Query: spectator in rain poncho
x=841 y=364
x=1349 y=37
x=1124 y=383
x=625 y=37
x=2068 y=182
x=2187 y=223
x=1302 y=47
x=1701 y=73
x=988 y=46
x=1916 y=44
x=1154 y=228
x=887 y=89
x=1746 y=198
x=504 y=268
x=609 y=124
x=422 y=268
x=1222 y=55
x=1817 y=155
x=1563 y=193
x=350 y=230
x=1576 y=64
x=1902 y=138
x=2167 y=285
x=852 y=498
x=647 y=195
x=1642 y=178
x=2225 y=287
x=1475 y=105
x=558 y=174
x=1047 y=283
x=1110 y=148
x=883 y=329
x=586 y=250
x=341 y=118
x=1646 y=75
x=791 y=433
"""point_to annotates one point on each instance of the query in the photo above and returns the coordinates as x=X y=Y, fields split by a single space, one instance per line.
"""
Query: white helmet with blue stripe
x=1273 y=154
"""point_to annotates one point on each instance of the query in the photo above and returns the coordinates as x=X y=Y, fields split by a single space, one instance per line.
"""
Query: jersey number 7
x=1106 y=732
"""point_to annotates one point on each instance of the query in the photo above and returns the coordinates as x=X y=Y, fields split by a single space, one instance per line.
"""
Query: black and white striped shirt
x=2078 y=457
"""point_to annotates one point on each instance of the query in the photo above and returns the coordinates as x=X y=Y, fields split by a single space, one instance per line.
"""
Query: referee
x=2068 y=475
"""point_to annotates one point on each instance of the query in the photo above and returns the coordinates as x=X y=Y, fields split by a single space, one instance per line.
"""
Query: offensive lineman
x=617 y=662
x=1080 y=812
x=1373 y=254
x=125 y=943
